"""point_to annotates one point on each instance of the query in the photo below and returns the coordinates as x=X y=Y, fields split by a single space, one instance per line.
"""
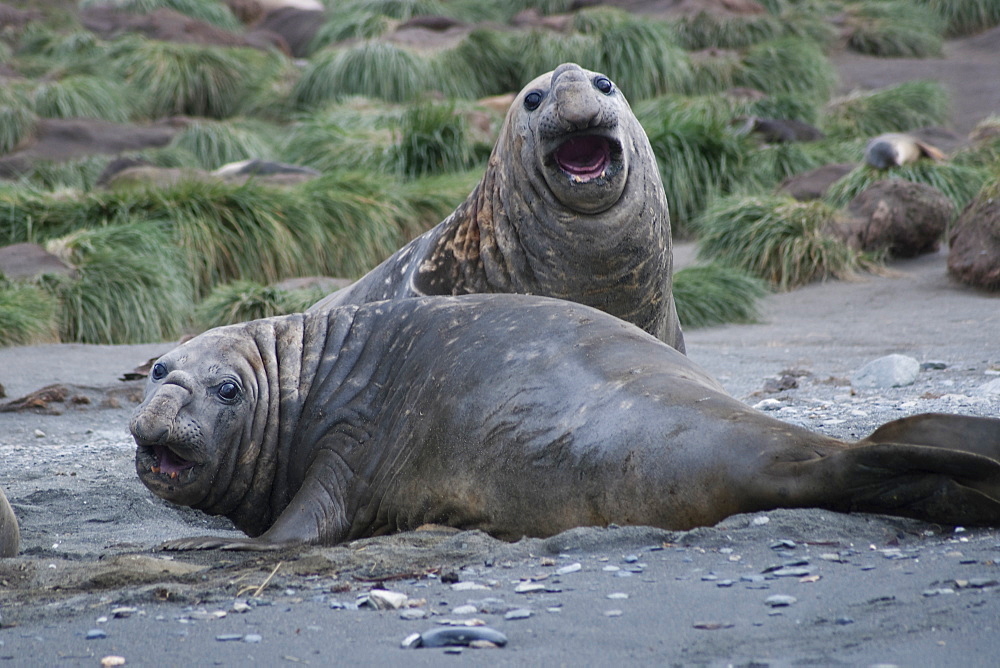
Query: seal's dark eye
x=229 y=391
x=158 y=372
x=604 y=85
x=532 y=100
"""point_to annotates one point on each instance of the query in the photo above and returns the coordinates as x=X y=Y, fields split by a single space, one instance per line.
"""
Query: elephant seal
x=10 y=534
x=894 y=149
x=512 y=414
x=571 y=206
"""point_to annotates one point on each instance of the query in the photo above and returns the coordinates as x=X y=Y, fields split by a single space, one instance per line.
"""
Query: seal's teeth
x=154 y=469
x=173 y=475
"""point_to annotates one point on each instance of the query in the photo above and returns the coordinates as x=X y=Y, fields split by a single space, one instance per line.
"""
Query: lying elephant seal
x=511 y=414
x=10 y=534
x=893 y=149
x=571 y=206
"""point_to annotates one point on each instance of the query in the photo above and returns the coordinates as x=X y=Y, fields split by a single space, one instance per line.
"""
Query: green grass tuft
x=715 y=294
x=965 y=17
x=776 y=238
x=241 y=301
x=192 y=79
x=698 y=156
x=17 y=123
x=216 y=143
x=902 y=107
x=132 y=285
x=958 y=182
x=788 y=66
x=704 y=30
x=432 y=140
x=894 y=29
x=83 y=96
x=209 y=11
x=27 y=314
x=369 y=69
x=486 y=62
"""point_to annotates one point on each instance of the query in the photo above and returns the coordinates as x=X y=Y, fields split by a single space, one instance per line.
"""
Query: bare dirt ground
x=864 y=589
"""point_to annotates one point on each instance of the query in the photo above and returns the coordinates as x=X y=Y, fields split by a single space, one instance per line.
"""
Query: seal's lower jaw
x=166 y=473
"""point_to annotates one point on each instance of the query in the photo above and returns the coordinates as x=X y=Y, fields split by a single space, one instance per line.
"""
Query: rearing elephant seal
x=571 y=206
x=511 y=414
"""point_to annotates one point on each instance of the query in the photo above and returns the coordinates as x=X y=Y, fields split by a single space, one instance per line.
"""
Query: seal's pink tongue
x=584 y=157
x=169 y=463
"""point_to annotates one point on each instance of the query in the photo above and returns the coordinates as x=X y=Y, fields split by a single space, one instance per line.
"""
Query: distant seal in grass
x=893 y=149
x=512 y=414
x=10 y=535
x=571 y=206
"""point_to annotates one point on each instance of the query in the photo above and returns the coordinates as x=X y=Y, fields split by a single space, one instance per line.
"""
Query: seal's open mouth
x=584 y=158
x=161 y=460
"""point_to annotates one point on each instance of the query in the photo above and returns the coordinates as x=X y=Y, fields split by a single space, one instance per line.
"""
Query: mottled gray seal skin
x=511 y=414
x=571 y=206
x=10 y=534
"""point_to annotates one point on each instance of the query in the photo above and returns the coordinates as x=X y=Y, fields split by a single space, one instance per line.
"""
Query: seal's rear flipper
x=928 y=483
x=979 y=435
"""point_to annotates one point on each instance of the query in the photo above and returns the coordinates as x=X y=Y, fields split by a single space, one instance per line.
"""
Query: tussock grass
x=362 y=219
x=641 y=54
x=190 y=78
x=17 y=123
x=27 y=314
x=906 y=106
x=714 y=294
x=83 y=96
x=132 y=285
x=209 y=11
x=788 y=66
x=985 y=148
x=216 y=143
x=965 y=17
x=432 y=140
x=540 y=51
x=958 y=182
x=775 y=238
x=353 y=135
x=894 y=29
x=79 y=174
x=767 y=166
x=486 y=62
x=427 y=201
x=703 y=30
x=241 y=301
x=698 y=156
x=369 y=69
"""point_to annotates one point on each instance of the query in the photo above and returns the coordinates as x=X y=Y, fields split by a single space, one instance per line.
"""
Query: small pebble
x=528 y=588
x=570 y=568
x=618 y=595
x=760 y=520
x=229 y=637
x=112 y=660
x=96 y=634
x=412 y=613
x=465 y=610
x=460 y=636
x=467 y=586
x=843 y=621
x=519 y=613
x=780 y=600
x=39 y=433
x=613 y=613
x=253 y=638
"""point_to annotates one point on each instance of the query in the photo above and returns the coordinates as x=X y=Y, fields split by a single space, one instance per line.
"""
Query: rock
x=901 y=218
x=888 y=371
x=296 y=26
x=778 y=130
x=780 y=600
x=518 y=613
x=456 y=636
x=383 y=599
x=974 y=254
x=814 y=183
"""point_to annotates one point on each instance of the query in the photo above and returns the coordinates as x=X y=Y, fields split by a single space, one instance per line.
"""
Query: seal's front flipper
x=928 y=483
x=979 y=435
x=221 y=543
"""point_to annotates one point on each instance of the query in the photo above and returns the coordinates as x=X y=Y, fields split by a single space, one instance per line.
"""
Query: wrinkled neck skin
x=531 y=228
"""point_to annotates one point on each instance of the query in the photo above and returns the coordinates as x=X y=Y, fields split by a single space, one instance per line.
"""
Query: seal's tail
x=942 y=468
x=935 y=467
